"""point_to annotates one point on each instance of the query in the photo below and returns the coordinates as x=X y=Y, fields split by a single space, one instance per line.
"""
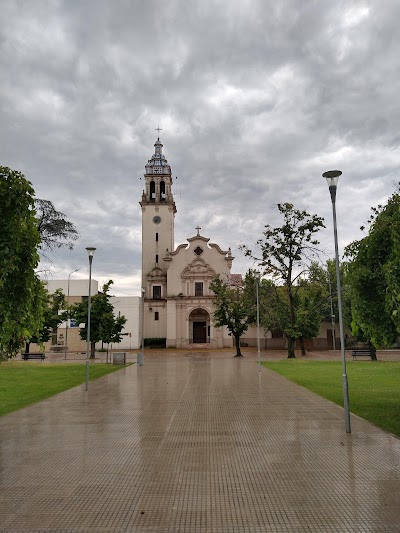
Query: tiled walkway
x=194 y=443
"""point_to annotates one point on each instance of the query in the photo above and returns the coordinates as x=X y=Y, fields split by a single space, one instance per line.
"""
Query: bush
x=155 y=341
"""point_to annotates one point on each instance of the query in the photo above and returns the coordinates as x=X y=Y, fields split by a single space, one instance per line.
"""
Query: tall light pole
x=66 y=328
x=90 y=252
x=257 y=276
x=141 y=358
x=332 y=177
x=332 y=315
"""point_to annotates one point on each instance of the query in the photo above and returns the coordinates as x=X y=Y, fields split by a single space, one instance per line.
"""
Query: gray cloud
x=255 y=100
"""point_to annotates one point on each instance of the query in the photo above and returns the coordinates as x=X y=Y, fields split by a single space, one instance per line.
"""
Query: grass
x=22 y=384
x=374 y=387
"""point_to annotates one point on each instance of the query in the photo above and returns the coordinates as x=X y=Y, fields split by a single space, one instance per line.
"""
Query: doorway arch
x=199 y=326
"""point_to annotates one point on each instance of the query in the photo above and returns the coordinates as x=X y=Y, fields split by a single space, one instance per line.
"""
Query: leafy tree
x=374 y=277
x=234 y=308
x=310 y=298
x=283 y=255
x=54 y=229
x=21 y=303
x=104 y=326
x=52 y=317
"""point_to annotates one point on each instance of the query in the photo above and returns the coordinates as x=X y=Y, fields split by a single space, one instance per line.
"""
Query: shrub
x=155 y=341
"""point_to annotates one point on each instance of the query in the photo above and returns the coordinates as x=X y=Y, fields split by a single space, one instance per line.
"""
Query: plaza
x=194 y=441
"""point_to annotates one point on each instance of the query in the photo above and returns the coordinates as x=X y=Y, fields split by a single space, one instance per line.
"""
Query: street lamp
x=257 y=276
x=90 y=252
x=332 y=315
x=66 y=328
x=332 y=177
x=141 y=355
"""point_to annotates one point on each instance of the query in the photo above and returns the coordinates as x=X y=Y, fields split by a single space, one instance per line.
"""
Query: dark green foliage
x=284 y=253
x=21 y=292
x=155 y=341
x=374 y=277
x=52 y=317
x=104 y=326
x=234 y=307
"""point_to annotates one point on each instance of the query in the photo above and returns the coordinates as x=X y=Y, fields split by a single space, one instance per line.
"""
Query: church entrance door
x=199 y=332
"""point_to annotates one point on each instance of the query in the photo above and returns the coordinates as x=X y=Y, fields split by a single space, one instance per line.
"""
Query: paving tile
x=194 y=442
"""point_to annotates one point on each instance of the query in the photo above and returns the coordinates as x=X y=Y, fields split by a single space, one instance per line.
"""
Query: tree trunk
x=372 y=349
x=27 y=347
x=290 y=348
x=92 y=349
x=303 y=349
x=237 y=343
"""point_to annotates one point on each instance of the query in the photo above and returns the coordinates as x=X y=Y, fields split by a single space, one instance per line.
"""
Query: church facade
x=178 y=301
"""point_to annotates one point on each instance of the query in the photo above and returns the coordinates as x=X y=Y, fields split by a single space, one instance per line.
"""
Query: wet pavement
x=194 y=442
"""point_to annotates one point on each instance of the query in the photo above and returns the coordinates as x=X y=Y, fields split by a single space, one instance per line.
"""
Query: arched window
x=152 y=191
x=162 y=191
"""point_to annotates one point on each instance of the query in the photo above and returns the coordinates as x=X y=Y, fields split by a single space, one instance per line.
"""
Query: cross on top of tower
x=158 y=129
x=198 y=230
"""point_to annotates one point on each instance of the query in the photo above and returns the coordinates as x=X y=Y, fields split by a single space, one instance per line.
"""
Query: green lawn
x=24 y=383
x=374 y=387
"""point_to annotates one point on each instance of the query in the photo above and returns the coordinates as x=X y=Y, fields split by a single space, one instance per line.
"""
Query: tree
x=54 y=229
x=104 y=326
x=310 y=299
x=374 y=277
x=283 y=255
x=52 y=317
x=21 y=303
x=233 y=309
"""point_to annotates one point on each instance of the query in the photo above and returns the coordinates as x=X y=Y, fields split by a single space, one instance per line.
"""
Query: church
x=178 y=301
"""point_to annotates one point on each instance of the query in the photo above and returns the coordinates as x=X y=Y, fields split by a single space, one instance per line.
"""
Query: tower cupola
x=158 y=164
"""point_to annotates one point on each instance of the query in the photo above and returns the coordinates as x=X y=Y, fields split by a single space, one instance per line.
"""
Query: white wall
x=130 y=308
x=77 y=287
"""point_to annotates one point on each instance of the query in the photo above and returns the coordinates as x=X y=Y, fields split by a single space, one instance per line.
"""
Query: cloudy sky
x=255 y=98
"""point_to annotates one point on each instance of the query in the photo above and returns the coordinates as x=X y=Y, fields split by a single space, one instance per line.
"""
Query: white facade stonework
x=178 y=301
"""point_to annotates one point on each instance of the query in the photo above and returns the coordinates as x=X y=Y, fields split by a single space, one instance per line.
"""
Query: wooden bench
x=361 y=352
x=28 y=356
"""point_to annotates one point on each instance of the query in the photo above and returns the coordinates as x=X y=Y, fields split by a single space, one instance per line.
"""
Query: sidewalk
x=195 y=442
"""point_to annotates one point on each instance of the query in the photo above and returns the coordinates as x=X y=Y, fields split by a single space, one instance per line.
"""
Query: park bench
x=28 y=356
x=361 y=352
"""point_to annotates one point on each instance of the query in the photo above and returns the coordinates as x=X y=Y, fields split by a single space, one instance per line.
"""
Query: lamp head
x=90 y=251
x=332 y=177
x=257 y=274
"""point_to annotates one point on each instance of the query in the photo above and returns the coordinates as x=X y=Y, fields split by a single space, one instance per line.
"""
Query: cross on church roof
x=158 y=129
x=198 y=230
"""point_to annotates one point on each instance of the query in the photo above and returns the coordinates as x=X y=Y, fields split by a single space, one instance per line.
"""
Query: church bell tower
x=158 y=212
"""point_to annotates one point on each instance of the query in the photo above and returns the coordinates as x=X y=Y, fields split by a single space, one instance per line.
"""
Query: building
x=178 y=301
x=76 y=291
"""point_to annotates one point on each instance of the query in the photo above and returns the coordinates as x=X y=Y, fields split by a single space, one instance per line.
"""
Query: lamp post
x=66 y=327
x=140 y=359
x=332 y=315
x=332 y=177
x=90 y=252
x=257 y=276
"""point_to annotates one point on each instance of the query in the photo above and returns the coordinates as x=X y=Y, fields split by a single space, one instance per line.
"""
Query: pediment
x=156 y=273
x=199 y=268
